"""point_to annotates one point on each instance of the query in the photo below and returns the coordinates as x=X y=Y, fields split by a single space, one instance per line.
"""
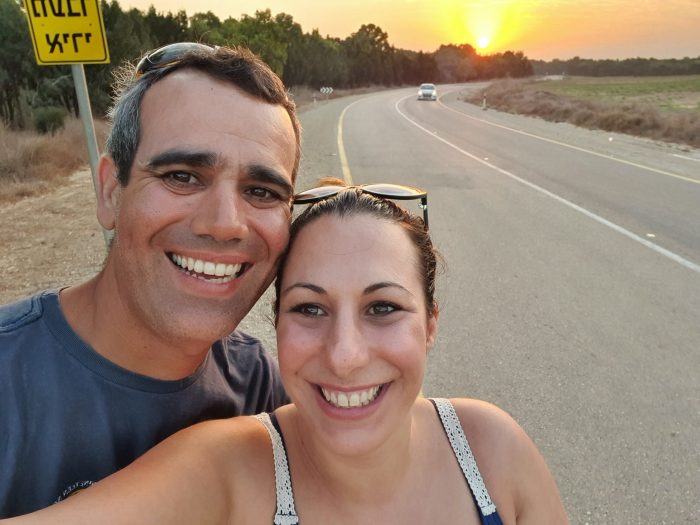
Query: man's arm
x=185 y=479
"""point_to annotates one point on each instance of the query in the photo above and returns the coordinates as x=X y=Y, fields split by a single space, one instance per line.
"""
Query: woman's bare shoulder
x=513 y=468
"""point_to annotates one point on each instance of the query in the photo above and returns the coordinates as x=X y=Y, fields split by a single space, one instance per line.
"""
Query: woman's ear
x=108 y=191
x=432 y=327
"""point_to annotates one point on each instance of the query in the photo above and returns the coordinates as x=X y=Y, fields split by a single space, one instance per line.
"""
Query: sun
x=485 y=22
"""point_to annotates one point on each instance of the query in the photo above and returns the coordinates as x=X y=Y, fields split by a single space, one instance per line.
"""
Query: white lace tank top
x=286 y=513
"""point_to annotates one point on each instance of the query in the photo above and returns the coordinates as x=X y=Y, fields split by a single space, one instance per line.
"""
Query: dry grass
x=31 y=164
x=631 y=115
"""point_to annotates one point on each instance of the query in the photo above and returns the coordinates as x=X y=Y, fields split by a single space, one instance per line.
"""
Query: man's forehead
x=200 y=88
x=191 y=110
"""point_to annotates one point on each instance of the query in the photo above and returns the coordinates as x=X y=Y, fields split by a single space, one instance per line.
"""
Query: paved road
x=572 y=291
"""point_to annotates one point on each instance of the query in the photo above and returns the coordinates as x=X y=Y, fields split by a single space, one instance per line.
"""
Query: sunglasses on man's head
x=168 y=55
x=385 y=191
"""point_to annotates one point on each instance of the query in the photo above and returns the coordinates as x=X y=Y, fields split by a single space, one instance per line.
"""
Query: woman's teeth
x=213 y=272
x=351 y=399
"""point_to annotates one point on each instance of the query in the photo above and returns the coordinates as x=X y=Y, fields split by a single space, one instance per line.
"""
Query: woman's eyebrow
x=307 y=286
x=178 y=156
x=384 y=284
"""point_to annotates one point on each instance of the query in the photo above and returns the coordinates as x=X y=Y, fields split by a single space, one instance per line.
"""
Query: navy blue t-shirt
x=68 y=416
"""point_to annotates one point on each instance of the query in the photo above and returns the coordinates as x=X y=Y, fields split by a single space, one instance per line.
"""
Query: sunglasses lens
x=167 y=55
x=394 y=191
x=316 y=194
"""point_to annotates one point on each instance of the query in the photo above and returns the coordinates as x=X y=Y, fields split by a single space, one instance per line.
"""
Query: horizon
x=541 y=29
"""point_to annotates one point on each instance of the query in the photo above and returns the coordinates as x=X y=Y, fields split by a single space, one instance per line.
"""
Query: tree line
x=364 y=58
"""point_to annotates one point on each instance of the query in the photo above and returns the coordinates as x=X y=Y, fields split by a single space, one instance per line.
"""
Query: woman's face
x=353 y=332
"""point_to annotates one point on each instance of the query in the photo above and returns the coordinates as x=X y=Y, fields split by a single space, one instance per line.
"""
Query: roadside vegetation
x=33 y=163
x=659 y=108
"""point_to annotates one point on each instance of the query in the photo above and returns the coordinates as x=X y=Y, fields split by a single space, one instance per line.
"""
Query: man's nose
x=221 y=214
x=348 y=350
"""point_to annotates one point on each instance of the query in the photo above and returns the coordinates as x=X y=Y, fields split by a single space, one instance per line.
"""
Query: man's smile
x=207 y=270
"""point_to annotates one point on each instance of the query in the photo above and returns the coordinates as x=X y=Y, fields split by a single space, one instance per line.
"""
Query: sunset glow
x=483 y=21
x=542 y=29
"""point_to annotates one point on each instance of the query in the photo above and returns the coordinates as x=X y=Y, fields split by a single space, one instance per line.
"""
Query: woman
x=355 y=318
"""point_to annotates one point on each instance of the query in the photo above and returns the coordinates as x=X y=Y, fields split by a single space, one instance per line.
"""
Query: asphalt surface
x=571 y=296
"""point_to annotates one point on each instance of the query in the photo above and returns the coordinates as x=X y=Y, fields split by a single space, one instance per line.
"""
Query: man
x=196 y=186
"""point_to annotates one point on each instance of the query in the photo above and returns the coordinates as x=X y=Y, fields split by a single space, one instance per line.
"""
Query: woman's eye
x=381 y=309
x=309 y=310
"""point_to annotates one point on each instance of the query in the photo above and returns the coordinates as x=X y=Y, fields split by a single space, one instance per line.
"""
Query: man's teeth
x=227 y=272
x=351 y=399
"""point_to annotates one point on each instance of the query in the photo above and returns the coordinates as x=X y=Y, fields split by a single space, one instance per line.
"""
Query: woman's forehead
x=359 y=240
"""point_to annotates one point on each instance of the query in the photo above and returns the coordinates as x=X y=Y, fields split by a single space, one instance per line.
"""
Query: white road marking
x=685 y=157
x=658 y=249
x=577 y=148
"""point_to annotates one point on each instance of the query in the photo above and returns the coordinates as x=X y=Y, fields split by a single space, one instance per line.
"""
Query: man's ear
x=108 y=191
x=432 y=327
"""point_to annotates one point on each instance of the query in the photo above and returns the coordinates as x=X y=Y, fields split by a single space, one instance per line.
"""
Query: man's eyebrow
x=308 y=286
x=384 y=284
x=178 y=156
x=264 y=174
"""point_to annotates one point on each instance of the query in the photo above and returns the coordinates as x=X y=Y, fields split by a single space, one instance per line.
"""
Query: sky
x=542 y=29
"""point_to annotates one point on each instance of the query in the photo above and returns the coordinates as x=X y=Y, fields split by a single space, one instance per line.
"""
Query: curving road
x=571 y=296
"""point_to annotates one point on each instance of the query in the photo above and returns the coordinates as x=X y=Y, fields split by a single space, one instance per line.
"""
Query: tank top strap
x=461 y=449
x=285 y=513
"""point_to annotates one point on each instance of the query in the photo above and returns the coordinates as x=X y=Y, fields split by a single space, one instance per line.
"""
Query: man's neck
x=95 y=312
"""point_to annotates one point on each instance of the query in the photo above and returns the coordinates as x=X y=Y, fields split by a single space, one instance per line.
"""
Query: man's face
x=205 y=215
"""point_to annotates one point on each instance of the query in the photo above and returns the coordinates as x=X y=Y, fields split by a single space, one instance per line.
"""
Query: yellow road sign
x=67 y=31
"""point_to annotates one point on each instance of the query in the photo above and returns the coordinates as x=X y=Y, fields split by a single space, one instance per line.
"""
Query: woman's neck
x=372 y=477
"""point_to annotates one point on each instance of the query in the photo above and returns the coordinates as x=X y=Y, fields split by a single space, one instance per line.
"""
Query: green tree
x=17 y=63
x=166 y=28
x=263 y=35
x=204 y=27
x=316 y=61
x=369 y=55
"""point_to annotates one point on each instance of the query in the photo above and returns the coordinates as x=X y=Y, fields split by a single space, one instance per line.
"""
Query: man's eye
x=264 y=194
x=309 y=310
x=180 y=178
x=380 y=309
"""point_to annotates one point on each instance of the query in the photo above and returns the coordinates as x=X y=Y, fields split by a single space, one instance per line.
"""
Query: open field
x=675 y=93
x=660 y=108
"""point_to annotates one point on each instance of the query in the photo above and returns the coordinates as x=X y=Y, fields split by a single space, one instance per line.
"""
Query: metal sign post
x=71 y=32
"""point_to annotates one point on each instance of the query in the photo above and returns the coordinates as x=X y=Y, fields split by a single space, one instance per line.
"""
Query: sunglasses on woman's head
x=168 y=55
x=385 y=191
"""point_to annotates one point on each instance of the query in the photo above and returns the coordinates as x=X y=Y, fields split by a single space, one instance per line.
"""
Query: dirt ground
x=50 y=239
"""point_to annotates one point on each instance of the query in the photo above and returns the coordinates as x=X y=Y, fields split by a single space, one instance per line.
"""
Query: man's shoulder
x=239 y=339
x=243 y=349
x=24 y=312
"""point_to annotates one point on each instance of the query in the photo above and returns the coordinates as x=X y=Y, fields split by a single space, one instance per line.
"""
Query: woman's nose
x=347 y=349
